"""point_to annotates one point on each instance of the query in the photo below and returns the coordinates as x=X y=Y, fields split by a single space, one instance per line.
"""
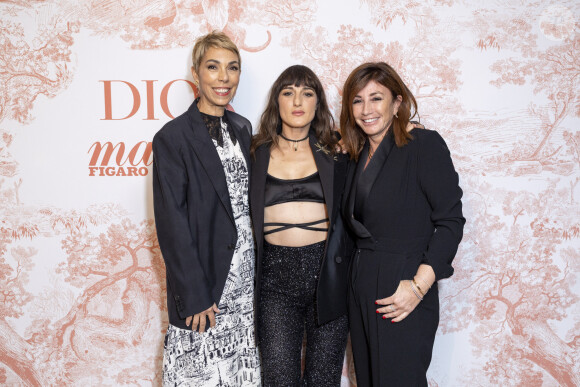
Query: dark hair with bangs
x=271 y=123
x=353 y=136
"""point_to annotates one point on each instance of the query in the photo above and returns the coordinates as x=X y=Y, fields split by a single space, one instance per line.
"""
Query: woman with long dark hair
x=302 y=249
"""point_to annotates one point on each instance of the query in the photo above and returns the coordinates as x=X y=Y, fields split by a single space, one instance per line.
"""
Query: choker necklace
x=294 y=141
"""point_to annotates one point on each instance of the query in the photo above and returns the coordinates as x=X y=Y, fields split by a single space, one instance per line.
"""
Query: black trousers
x=287 y=310
x=388 y=354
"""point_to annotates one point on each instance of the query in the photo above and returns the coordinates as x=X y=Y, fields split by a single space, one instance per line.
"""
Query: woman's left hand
x=340 y=147
x=414 y=124
x=398 y=306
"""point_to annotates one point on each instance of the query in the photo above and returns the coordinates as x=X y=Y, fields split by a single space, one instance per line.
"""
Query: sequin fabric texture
x=287 y=310
x=225 y=355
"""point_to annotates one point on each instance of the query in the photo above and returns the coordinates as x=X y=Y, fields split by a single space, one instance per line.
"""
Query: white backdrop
x=81 y=278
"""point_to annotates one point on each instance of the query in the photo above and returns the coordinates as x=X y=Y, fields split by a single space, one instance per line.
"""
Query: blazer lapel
x=374 y=167
x=325 y=165
x=368 y=176
x=258 y=187
x=243 y=135
x=208 y=157
x=351 y=182
x=347 y=206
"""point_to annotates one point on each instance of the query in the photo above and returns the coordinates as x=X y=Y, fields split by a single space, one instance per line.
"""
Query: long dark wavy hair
x=271 y=123
x=353 y=136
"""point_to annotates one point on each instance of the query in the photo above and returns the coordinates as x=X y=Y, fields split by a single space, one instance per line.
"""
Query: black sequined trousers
x=287 y=310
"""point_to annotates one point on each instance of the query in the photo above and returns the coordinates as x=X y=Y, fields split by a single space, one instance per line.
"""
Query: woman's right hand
x=398 y=306
x=200 y=319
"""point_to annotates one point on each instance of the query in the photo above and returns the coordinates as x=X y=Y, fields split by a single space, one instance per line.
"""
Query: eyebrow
x=294 y=87
x=217 y=61
x=371 y=95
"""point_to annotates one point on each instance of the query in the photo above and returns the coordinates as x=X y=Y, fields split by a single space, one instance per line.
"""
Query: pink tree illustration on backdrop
x=121 y=276
x=553 y=71
x=517 y=289
x=55 y=349
x=119 y=273
x=22 y=224
x=162 y=24
x=14 y=350
x=520 y=285
x=33 y=69
x=433 y=77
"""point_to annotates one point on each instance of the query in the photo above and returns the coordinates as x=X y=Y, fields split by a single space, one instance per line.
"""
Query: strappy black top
x=305 y=189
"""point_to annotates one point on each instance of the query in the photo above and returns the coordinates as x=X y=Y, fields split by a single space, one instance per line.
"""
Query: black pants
x=388 y=354
x=287 y=309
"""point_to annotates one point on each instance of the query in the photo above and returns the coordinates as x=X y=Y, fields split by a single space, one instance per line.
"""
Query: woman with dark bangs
x=302 y=249
x=404 y=209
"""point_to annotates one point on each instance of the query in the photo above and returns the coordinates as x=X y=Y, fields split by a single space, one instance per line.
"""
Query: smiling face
x=373 y=109
x=217 y=78
x=297 y=107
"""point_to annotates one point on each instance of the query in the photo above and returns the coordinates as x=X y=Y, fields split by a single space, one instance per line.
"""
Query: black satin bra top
x=306 y=189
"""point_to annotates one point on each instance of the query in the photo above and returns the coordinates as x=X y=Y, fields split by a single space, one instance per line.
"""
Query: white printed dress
x=225 y=355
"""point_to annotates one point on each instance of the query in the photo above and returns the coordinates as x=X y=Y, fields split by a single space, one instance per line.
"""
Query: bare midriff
x=296 y=213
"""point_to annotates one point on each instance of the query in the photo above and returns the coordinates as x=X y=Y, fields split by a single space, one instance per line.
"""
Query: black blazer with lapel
x=332 y=282
x=193 y=213
x=410 y=202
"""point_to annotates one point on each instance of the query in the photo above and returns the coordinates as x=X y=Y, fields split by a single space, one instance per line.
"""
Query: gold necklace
x=371 y=153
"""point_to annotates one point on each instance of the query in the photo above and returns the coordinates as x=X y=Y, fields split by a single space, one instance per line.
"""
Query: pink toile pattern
x=82 y=282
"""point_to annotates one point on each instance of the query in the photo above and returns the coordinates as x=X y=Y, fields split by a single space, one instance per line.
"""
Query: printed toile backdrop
x=84 y=85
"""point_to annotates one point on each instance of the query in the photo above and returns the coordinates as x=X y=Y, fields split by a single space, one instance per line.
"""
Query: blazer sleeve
x=440 y=184
x=185 y=274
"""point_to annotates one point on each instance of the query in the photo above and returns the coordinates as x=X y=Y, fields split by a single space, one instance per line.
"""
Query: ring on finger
x=392 y=308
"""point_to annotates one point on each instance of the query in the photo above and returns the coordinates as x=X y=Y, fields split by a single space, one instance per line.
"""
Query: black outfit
x=287 y=309
x=405 y=210
x=193 y=212
x=306 y=189
x=301 y=288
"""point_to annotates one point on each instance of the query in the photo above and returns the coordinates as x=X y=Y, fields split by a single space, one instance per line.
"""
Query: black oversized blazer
x=332 y=282
x=411 y=202
x=193 y=213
